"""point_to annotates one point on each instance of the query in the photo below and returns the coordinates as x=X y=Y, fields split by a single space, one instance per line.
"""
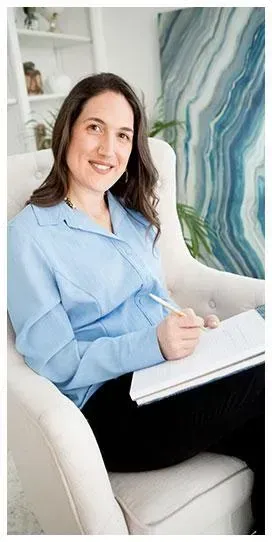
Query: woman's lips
x=101 y=168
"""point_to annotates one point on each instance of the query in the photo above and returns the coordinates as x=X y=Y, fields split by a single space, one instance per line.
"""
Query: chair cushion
x=183 y=499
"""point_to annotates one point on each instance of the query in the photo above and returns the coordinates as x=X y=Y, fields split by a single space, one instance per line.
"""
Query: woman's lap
x=166 y=432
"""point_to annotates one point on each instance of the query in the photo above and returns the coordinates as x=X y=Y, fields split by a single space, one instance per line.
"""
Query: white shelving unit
x=45 y=97
x=12 y=101
x=69 y=51
x=59 y=40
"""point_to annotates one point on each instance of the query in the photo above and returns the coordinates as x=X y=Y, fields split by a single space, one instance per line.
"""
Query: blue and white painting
x=212 y=66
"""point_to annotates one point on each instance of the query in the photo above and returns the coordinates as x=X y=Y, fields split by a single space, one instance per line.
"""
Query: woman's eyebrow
x=125 y=128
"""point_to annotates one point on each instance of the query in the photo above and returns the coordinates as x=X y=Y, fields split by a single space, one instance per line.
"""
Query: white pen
x=170 y=307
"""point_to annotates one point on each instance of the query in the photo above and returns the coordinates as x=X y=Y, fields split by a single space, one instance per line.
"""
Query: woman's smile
x=100 y=167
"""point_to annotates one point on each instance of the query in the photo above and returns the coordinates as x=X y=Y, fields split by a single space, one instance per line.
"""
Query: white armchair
x=55 y=451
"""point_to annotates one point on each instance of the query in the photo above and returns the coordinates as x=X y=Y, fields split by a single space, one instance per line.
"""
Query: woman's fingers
x=190 y=320
x=178 y=335
x=211 y=321
x=189 y=333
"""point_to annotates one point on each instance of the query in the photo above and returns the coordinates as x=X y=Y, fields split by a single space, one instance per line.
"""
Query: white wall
x=132 y=47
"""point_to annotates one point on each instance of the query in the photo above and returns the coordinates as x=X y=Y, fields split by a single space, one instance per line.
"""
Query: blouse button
x=128 y=250
x=212 y=304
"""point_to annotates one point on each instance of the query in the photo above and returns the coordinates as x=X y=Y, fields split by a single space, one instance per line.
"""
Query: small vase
x=32 y=23
x=53 y=23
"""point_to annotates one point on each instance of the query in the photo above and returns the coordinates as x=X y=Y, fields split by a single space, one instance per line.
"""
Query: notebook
x=238 y=343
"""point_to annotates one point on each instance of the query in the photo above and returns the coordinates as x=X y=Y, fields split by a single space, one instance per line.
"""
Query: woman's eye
x=94 y=127
x=124 y=136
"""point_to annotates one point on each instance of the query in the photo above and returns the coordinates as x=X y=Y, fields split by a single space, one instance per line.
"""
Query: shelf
x=12 y=101
x=45 y=38
x=44 y=97
x=69 y=50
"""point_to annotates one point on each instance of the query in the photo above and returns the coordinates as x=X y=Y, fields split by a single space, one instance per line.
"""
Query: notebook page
x=236 y=338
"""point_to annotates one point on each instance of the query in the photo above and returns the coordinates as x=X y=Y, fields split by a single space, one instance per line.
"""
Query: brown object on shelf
x=43 y=141
x=33 y=79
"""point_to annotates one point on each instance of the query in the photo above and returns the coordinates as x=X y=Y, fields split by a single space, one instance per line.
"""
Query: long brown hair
x=138 y=192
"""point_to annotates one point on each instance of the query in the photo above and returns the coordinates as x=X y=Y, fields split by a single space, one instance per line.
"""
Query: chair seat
x=193 y=497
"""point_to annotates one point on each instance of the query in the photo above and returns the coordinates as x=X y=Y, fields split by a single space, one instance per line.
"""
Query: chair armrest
x=209 y=290
x=58 y=459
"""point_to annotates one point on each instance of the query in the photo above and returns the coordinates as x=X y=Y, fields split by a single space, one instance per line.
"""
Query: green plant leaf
x=161 y=126
x=197 y=227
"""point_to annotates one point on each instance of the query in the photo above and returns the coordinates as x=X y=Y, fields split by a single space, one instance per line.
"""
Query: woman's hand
x=179 y=335
x=211 y=321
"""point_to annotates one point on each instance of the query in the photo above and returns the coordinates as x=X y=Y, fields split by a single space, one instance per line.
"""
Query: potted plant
x=35 y=126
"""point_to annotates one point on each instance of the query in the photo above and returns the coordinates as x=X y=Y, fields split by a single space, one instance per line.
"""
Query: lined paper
x=237 y=338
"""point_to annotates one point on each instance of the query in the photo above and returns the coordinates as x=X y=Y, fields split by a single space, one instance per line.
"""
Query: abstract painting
x=212 y=68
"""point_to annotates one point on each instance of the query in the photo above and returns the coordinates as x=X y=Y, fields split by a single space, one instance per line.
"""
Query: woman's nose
x=106 y=145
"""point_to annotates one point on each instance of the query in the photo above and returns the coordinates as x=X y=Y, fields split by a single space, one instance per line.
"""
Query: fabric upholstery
x=184 y=494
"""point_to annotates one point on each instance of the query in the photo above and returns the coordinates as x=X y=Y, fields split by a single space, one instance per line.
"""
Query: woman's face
x=101 y=142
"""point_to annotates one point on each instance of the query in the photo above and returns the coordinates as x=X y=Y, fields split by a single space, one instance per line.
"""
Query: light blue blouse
x=78 y=295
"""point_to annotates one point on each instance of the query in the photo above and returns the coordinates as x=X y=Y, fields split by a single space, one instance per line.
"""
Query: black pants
x=225 y=416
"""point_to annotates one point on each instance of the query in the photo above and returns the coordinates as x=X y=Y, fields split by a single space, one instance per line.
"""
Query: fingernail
x=214 y=323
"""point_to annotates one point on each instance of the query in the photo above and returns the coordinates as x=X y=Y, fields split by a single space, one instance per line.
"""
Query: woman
x=82 y=260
